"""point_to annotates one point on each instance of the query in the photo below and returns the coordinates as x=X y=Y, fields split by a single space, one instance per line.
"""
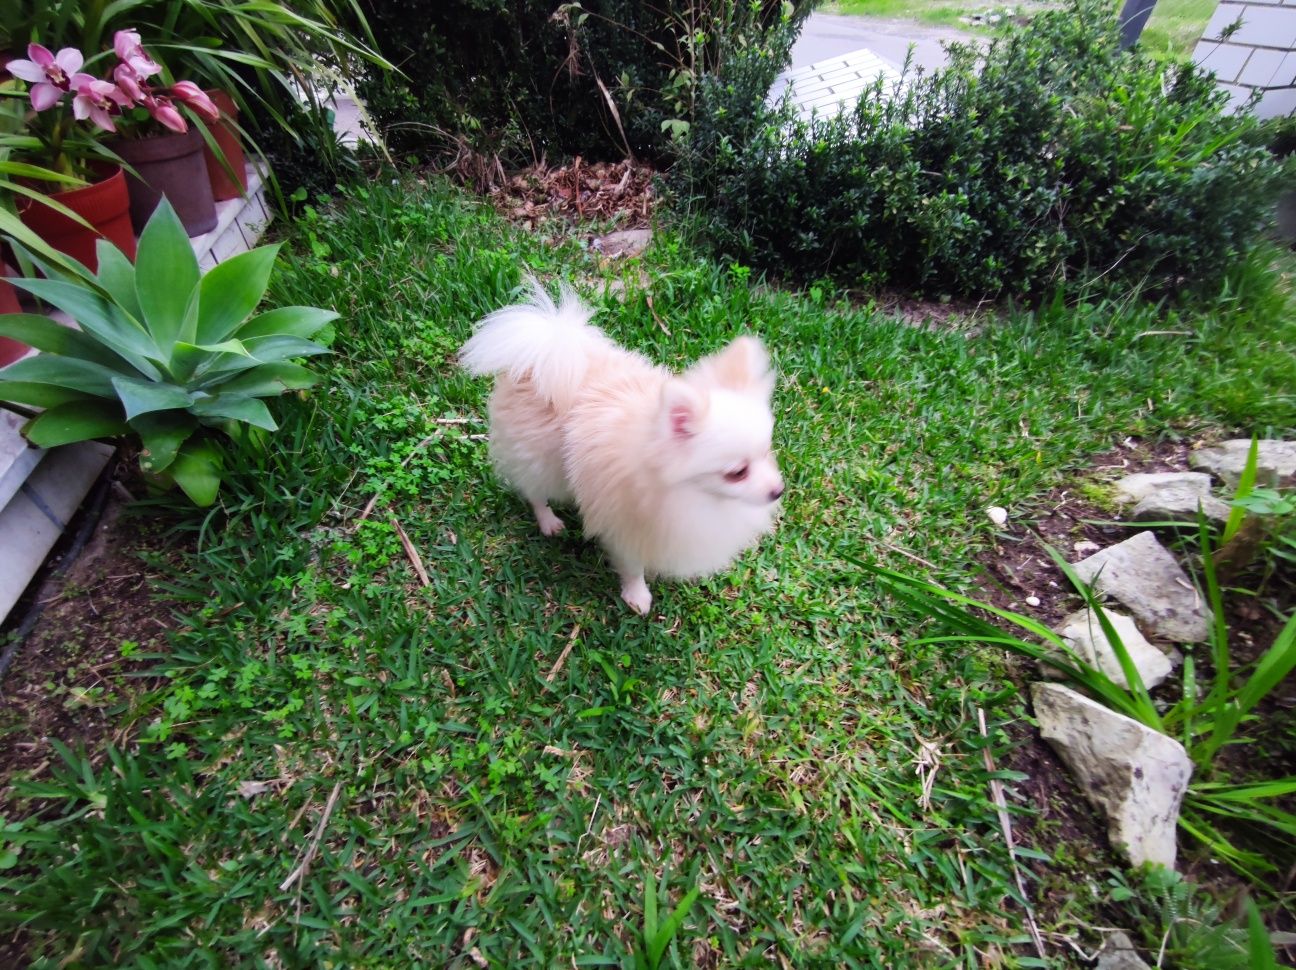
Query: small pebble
x=998 y=515
x=1032 y=601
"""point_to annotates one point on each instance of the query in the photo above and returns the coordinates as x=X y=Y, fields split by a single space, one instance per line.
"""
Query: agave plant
x=164 y=353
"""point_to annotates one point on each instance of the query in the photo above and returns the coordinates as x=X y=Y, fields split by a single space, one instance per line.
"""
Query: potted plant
x=164 y=153
x=10 y=350
x=54 y=172
x=164 y=355
x=226 y=164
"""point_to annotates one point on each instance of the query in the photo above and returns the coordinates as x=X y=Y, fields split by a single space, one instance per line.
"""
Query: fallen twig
x=313 y=848
x=908 y=555
x=997 y=795
x=562 y=657
x=411 y=553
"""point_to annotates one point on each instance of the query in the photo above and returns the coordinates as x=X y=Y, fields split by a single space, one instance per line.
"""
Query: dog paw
x=550 y=524
x=637 y=597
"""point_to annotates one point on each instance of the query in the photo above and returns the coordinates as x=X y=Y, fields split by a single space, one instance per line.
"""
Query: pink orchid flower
x=165 y=112
x=96 y=100
x=49 y=73
x=192 y=95
x=126 y=45
x=128 y=81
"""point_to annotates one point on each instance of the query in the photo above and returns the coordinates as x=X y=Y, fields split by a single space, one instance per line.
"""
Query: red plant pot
x=10 y=350
x=105 y=205
x=170 y=165
x=227 y=139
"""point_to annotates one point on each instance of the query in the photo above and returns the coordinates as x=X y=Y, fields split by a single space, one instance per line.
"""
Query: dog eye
x=737 y=475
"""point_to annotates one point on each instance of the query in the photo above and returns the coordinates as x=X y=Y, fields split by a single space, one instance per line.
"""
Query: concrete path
x=826 y=36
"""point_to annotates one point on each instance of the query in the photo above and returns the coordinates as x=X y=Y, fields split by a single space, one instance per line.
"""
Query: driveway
x=831 y=35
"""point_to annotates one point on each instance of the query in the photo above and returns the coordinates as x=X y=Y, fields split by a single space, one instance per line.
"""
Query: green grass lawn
x=481 y=795
x=1173 y=29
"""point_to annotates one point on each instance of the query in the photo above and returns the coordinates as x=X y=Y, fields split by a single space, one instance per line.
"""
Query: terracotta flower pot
x=104 y=204
x=170 y=165
x=10 y=350
x=226 y=136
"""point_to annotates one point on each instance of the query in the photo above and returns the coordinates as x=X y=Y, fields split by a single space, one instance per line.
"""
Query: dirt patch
x=579 y=191
x=959 y=316
x=99 y=626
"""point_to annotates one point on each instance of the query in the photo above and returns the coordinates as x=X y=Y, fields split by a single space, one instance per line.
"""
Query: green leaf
x=39 y=395
x=1277 y=662
x=266 y=349
x=100 y=319
x=1246 y=482
x=166 y=276
x=197 y=470
x=231 y=290
x=76 y=375
x=117 y=277
x=262 y=350
x=288 y=321
x=53 y=337
x=249 y=409
x=270 y=379
x=162 y=433
x=659 y=940
x=1259 y=950
x=190 y=360
x=76 y=421
x=141 y=397
x=17 y=230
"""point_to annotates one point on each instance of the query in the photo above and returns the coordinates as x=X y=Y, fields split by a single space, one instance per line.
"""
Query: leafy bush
x=164 y=354
x=1050 y=157
x=594 y=79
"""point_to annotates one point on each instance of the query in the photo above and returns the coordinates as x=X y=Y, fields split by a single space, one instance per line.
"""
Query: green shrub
x=537 y=76
x=1051 y=156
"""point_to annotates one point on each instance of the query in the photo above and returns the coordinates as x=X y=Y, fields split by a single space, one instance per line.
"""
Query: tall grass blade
x=1246 y=482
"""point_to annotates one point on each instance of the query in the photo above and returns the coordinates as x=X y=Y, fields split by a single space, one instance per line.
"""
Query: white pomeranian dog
x=673 y=473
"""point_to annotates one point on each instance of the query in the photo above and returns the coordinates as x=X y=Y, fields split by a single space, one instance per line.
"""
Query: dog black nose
x=776 y=493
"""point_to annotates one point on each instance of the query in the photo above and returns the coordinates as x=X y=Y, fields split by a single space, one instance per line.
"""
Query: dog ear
x=742 y=366
x=683 y=407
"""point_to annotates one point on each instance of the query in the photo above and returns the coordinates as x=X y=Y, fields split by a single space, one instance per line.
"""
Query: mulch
x=579 y=191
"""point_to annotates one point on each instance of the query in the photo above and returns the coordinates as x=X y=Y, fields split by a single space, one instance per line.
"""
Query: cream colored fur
x=673 y=474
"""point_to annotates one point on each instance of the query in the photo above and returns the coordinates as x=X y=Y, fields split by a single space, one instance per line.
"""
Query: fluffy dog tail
x=550 y=345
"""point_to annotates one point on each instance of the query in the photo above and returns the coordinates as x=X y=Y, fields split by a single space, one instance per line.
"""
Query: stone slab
x=1275 y=461
x=1142 y=574
x=1176 y=503
x=1084 y=634
x=1134 y=775
x=32 y=521
x=17 y=457
x=1136 y=487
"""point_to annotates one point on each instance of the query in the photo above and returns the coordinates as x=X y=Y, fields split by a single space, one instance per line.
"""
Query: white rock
x=1084 y=634
x=1134 y=775
x=1175 y=503
x=997 y=514
x=1118 y=953
x=623 y=244
x=1145 y=577
x=1085 y=547
x=1135 y=488
x=1275 y=461
x=1032 y=601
